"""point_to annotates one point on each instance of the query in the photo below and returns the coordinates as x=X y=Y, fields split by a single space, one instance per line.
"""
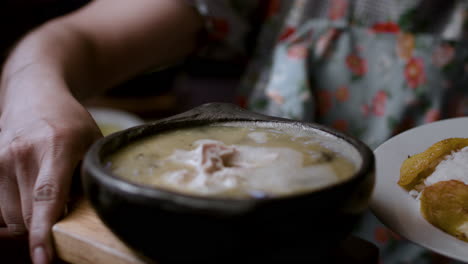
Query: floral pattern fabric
x=369 y=68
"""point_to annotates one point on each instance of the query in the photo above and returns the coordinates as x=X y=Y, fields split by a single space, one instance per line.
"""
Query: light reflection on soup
x=236 y=162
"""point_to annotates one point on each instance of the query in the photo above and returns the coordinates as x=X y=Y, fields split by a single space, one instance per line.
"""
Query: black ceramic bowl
x=167 y=226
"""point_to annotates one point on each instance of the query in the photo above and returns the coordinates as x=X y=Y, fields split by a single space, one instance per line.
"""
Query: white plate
x=394 y=206
x=118 y=119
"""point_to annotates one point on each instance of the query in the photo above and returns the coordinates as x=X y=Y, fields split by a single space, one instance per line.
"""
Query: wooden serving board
x=81 y=238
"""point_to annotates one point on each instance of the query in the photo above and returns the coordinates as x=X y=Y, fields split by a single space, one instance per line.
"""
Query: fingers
x=2 y=223
x=11 y=206
x=49 y=198
x=17 y=180
x=3 y=229
x=26 y=173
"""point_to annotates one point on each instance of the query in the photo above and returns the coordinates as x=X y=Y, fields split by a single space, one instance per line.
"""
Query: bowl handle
x=221 y=112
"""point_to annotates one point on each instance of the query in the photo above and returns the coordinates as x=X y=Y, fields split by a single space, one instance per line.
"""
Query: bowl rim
x=227 y=113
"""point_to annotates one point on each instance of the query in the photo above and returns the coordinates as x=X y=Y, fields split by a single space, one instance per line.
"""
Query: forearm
x=38 y=63
x=90 y=52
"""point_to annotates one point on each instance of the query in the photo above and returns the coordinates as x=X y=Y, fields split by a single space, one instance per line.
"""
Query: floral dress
x=371 y=68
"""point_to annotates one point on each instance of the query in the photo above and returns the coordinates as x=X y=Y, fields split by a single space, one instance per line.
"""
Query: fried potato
x=419 y=166
x=445 y=205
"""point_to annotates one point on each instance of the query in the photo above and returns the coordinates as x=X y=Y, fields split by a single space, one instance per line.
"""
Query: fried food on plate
x=417 y=167
x=445 y=205
x=438 y=177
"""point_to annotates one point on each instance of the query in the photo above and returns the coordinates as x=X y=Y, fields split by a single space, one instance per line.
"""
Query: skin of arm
x=45 y=131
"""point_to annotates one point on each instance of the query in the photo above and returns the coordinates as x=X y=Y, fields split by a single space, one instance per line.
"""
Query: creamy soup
x=229 y=161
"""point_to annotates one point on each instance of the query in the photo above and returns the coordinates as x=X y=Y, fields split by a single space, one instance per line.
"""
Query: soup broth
x=232 y=162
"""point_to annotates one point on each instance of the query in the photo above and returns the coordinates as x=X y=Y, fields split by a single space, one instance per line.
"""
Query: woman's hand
x=44 y=134
x=44 y=130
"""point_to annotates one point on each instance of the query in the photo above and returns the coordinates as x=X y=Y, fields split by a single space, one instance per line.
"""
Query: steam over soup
x=230 y=161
